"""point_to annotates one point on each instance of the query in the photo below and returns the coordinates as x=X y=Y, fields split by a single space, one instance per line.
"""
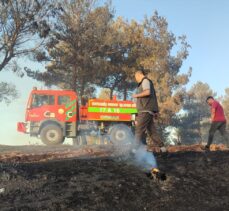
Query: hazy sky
x=206 y=24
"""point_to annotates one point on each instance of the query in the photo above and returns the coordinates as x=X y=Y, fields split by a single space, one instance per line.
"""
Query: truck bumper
x=21 y=127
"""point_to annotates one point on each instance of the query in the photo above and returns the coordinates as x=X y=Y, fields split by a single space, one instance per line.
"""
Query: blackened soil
x=195 y=181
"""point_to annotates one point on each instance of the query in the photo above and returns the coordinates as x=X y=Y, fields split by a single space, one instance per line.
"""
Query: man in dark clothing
x=218 y=121
x=147 y=107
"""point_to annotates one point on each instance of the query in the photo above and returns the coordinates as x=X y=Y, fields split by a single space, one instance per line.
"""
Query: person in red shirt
x=218 y=121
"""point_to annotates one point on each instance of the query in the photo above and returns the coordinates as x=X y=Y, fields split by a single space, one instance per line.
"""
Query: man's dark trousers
x=145 y=123
x=221 y=126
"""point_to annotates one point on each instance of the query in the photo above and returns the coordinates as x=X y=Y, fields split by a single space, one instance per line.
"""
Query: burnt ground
x=196 y=181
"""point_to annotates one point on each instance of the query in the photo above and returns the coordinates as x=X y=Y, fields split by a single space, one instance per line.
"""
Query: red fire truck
x=53 y=115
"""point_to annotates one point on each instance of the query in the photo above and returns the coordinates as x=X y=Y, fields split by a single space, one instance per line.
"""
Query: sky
x=204 y=22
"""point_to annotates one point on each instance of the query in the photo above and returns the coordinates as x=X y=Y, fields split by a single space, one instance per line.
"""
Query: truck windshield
x=40 y=100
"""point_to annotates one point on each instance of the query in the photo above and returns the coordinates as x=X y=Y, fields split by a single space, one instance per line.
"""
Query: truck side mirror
x=29 y=107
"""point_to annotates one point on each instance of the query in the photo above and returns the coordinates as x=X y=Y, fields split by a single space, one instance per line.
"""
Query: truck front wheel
x=52 y=135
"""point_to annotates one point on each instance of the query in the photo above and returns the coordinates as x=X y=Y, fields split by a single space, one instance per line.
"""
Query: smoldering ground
x=102 y=183
x=111 y=177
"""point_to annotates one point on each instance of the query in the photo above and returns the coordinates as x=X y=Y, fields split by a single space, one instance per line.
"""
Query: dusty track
x=33 y=153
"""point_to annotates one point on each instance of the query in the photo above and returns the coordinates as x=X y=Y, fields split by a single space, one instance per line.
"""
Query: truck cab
x=48 y=112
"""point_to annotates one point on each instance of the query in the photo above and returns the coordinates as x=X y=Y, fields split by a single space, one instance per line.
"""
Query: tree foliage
x=104 y=94
x=23 y=27
x=76 y=49
x=7 y=92
x=164 y=66
x=193 y=122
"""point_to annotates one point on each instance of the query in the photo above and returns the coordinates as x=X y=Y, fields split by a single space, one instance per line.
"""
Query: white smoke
x=145 y=158
x=135 y=153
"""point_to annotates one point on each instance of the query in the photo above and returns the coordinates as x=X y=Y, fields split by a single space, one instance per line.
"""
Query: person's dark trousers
x=145 y=124
x=221 y=126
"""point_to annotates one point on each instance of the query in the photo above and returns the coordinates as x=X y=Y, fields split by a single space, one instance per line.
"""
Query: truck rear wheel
x=121 y=134
x=52 y=135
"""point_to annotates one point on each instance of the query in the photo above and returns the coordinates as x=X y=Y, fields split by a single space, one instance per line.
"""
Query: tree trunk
x=82 y=89
x=199 y=131
x=125 y=93
x=111 y=93
x=74 y=79
x=5 y=62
